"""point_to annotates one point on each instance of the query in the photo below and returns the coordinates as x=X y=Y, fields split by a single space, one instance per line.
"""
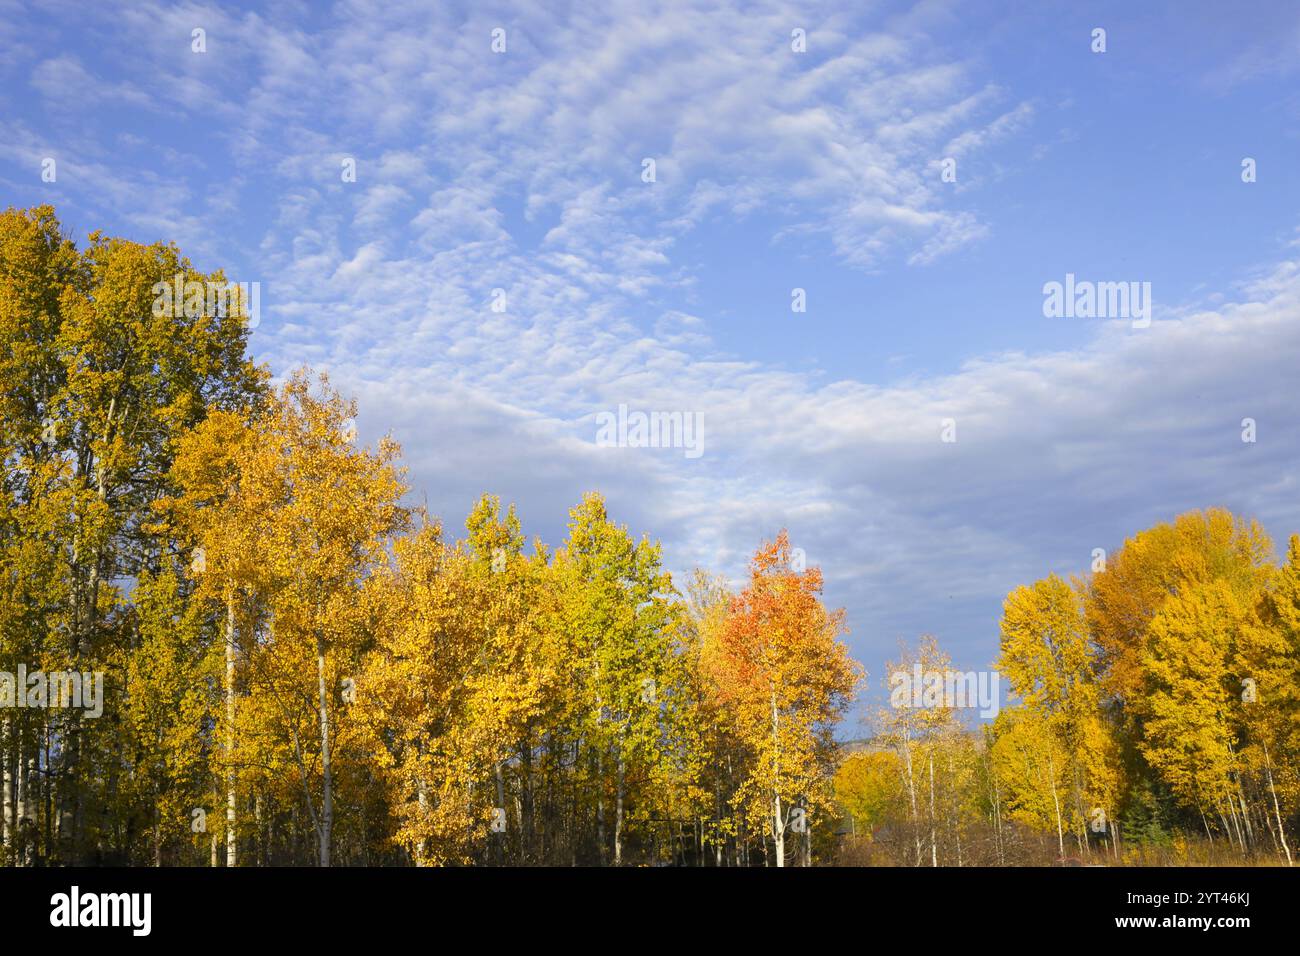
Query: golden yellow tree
x=297 y=517
x=454 y=682
x=1049 y=659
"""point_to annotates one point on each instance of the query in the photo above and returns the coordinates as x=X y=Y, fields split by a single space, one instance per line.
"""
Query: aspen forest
x=305 y=664
x=1152 y=719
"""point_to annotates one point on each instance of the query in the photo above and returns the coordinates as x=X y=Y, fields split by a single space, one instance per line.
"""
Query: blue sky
x=775 y=170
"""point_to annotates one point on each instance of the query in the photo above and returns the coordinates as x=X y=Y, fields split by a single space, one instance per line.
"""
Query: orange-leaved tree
x=785 y=679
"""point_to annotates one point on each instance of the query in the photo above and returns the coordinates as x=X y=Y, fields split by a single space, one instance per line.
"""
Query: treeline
x=1154 y=718
x=300 y=668
x=227 y=639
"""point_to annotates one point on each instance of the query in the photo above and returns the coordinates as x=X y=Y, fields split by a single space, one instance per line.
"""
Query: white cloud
x=522 y=172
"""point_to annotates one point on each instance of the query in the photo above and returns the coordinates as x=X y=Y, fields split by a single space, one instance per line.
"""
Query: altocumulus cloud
x=521 y=173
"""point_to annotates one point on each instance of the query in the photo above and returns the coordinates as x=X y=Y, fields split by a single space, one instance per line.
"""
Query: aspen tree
x=915 y=730
x=786 y=678
x=1049 y=659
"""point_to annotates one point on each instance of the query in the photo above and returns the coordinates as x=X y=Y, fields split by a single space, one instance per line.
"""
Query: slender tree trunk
x=576 y=815
x=327 y=801
x=526 y=798
x=1281 y=831
x=213 y=861
x=1277 y=810
x=500 y=838
x=261 y=829
x=49 y=792
x=232 y=840
x=997 y=817
x=1081 y=826
x=600 y=804
x=1227 y=828
x=718 y=841
x=23 y=831
x=1236 y=822
x=1245 y=817
x=1060 y=833
x=953 y=812
x=778 y=820
x=157 y=836
x=618 y=811
x=911 y=791
x=6 y=754
x=1235 y=780
x=807 y=835
x=422 y=800
x=934 y=844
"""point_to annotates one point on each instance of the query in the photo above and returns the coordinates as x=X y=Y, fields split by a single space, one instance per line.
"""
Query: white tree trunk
x=934 y=844
x=1281 y=833
x=232 y=843
x=778 y=819
x=327 y=802
x=1056 y=802
x=618 y=811
x=23 y=831
x=7 y=827
x=911 y=790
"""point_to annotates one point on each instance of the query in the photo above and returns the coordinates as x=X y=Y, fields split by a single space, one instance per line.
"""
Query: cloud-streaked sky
x=775 y=170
